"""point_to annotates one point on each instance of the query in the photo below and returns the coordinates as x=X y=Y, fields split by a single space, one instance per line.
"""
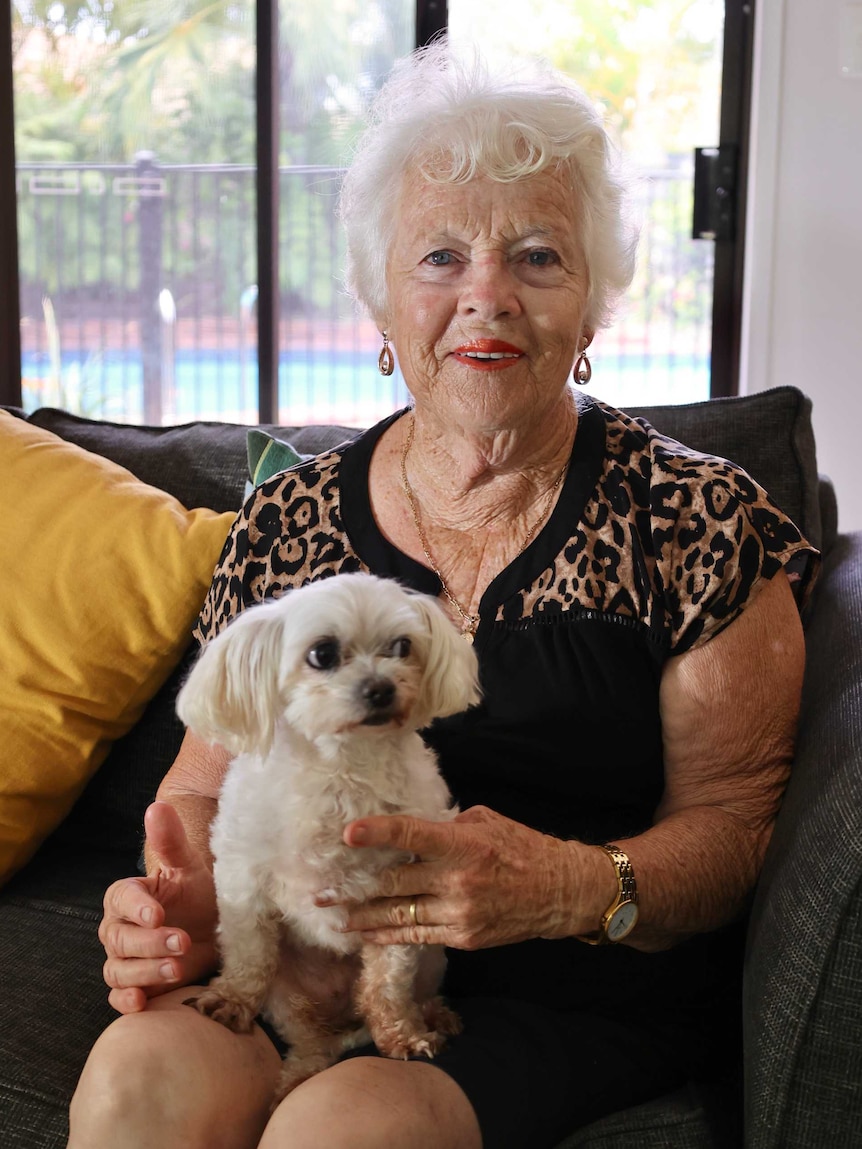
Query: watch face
x=623 y=921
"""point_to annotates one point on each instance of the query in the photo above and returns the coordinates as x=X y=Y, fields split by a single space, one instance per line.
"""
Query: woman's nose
x=489 y=291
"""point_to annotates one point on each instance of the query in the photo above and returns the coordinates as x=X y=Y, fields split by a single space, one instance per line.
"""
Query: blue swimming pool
x=315 y=385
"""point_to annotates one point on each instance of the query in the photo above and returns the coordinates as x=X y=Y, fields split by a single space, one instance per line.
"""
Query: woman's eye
x=439 y=258
x=541 y=258
x=324 y=655
x=400 y=648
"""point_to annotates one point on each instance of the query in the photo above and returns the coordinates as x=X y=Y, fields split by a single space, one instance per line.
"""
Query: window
x=137 y=190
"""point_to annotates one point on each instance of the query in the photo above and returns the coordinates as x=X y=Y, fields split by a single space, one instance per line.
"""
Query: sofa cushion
x=201 y=464
x=693 y=1117
x=54 y=1001
x=109 y=574
x=803 y=983
x=111 y=809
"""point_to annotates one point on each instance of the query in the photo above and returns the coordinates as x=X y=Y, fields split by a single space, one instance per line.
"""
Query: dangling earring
x=583 y=372
x=386 y=360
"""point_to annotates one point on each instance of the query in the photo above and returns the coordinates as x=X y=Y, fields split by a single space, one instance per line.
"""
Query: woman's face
x=487 y=287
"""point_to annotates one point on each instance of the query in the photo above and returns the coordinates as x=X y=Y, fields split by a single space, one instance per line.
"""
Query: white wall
x=803 y=316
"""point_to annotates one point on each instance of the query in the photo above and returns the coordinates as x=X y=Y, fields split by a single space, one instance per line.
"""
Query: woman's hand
x=158 y=931
x=481 y=880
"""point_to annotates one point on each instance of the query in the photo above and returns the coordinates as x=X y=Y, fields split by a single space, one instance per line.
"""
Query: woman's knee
x=375 y=1103
x=173 y=1078
x=119 y=1081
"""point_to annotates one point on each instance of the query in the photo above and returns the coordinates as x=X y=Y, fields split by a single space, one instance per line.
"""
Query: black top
x=650 y=550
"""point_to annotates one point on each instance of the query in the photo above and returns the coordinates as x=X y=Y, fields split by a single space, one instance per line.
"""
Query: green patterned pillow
x=267 y=456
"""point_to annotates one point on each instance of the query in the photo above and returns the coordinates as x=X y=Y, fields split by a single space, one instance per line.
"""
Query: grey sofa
x=799 y=1083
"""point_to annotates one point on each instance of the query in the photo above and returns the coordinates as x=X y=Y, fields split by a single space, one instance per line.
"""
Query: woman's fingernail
x=173 y=944
x=147 y=914
x=167 y=971
x=358 y=835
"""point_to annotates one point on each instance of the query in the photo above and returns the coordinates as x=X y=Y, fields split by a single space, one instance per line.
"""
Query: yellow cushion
x=102 y=578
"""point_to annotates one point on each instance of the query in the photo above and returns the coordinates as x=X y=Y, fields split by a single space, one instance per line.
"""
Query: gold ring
x=413 y=919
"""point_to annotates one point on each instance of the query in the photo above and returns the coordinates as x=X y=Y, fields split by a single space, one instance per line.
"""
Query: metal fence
x=138 y=297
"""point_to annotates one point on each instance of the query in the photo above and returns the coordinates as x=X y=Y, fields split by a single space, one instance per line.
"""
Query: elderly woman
x=632 y=605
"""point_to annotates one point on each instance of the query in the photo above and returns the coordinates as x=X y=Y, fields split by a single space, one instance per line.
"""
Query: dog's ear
x=232 y=695
x=450 y=682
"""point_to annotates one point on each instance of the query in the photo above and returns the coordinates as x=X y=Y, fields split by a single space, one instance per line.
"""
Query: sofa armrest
x=803 y=979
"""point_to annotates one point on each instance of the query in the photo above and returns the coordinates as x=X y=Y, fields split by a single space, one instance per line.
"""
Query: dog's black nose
x=379 y=693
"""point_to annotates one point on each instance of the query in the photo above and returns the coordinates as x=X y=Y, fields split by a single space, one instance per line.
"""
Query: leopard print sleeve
x=287 y=534
x=715 y=535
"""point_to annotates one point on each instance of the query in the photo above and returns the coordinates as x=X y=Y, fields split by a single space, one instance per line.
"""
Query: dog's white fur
x=316 y=748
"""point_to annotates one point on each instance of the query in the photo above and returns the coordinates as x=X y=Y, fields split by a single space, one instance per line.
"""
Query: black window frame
x=735 y=133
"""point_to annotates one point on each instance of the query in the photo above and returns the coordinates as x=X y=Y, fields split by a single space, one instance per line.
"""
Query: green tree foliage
x=103 y=81
x=651 y=66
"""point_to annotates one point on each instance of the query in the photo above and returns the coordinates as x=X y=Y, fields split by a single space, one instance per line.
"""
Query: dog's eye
x=400 y=648
x=324 y=655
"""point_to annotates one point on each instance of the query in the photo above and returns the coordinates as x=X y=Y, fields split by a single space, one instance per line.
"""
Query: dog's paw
x=438 y=1016
x=234 y=1015
x=426 y=1044
x=401 y=1042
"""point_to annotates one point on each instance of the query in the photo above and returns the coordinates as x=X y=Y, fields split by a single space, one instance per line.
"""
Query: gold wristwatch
x=621 y=916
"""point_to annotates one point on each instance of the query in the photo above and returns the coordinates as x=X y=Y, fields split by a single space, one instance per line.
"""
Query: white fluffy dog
x=320 y=694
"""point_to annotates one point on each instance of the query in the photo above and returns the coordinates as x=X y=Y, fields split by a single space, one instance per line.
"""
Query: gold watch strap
x=627 y=891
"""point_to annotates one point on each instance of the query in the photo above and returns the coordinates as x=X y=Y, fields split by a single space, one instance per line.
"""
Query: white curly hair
x=452 y=117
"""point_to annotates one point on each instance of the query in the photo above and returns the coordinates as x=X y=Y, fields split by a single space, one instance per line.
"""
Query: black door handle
x=714 y=214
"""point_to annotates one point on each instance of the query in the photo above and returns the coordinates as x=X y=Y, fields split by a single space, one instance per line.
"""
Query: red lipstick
x=488 y=354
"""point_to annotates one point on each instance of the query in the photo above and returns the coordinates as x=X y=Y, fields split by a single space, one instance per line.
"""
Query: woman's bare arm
x=192 y=787
x=729 y=713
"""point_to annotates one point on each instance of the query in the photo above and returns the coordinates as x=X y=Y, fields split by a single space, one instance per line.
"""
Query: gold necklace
x=469 y=622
